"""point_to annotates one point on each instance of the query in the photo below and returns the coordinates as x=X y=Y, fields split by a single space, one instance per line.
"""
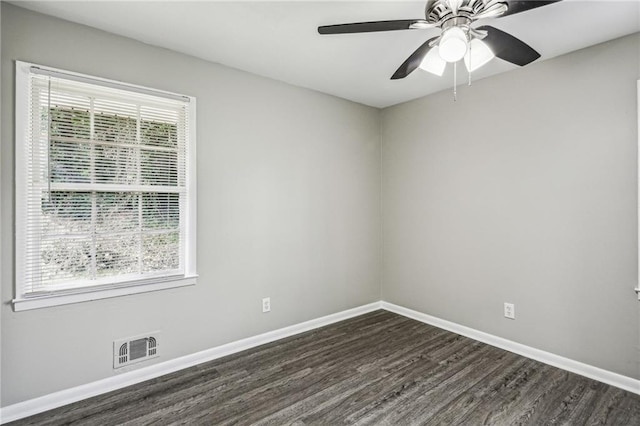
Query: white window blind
x=105 y=186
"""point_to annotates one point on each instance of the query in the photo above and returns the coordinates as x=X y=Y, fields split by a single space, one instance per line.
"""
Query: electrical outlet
x=510 y=310
x=266 y=304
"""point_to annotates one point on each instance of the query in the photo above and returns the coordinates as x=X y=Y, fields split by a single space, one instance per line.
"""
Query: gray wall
x=522 y=191
x=288 y=207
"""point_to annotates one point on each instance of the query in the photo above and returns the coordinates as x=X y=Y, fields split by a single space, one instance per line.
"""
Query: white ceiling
x=280 y=40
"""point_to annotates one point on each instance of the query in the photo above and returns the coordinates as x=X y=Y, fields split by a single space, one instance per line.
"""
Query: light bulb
x=453 y=44
x=478 y=55
x=433 y=63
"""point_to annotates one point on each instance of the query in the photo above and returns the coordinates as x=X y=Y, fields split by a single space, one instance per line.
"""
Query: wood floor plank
x=376 y=369
x=430 y=398
x=513 y=398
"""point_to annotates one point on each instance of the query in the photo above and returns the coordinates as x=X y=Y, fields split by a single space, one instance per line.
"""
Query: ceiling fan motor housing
x=440 y=12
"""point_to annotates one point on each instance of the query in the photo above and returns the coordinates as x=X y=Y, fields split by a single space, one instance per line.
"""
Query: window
x=105 y=188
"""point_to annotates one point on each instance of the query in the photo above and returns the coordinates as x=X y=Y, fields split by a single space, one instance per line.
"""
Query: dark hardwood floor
x=376 y=369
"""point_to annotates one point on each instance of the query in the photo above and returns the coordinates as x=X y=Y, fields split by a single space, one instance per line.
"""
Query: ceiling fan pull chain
x=455 y=81
x=469 y=67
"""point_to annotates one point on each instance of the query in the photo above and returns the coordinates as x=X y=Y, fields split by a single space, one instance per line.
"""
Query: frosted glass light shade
x=433 y=63
x=478 y=55
x=453 y=44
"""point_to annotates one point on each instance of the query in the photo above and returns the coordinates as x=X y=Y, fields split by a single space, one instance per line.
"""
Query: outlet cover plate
x=510 y=310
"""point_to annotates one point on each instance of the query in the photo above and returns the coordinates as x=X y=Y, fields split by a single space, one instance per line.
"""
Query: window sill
x=48 y=300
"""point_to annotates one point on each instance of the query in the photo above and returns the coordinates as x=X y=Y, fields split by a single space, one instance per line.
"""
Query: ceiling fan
x=458 y=39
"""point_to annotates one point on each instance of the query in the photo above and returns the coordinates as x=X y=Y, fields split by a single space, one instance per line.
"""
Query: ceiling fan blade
x=507 y=47
x=413 y=61
x=368 y=27
x=517 y=6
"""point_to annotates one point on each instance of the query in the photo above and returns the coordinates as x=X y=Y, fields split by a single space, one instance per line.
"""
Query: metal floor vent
x=135 y=349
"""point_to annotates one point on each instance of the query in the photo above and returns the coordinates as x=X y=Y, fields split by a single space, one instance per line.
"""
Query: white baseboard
x=595 y=373
x=78 y=393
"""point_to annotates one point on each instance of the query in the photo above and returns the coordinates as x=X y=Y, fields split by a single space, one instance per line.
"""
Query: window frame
x=637 y=289
x=25 y=301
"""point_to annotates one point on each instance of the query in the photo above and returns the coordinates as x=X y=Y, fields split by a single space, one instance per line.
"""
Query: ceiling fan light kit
x=478 y=55
x=433 y=63
x=458 y=40
x=453 y=44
